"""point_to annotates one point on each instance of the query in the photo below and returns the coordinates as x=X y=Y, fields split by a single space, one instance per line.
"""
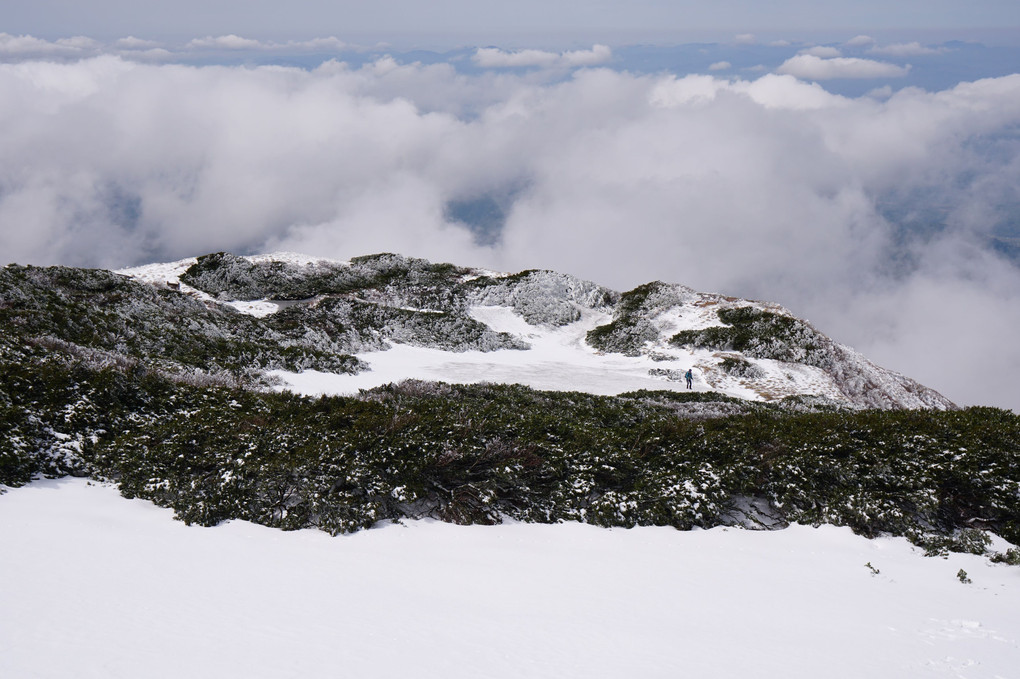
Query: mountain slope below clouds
x=408 y=318
x=163 y=387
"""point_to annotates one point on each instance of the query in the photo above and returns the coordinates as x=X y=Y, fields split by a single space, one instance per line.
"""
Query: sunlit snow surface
x=93 y=585
x=559 y=359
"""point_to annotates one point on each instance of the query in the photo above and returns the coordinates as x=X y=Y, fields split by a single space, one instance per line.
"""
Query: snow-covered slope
x=94 y=585
x=548 y=331
x=105 y=376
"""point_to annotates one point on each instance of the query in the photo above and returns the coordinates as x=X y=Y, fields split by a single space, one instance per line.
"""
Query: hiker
x=689 y=376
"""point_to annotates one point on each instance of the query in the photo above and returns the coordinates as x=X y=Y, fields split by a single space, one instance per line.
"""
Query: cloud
x=905 y=50
x=860 y=41
x=27 y=46
x=822 y=51
x=235 y=42
x=133 y=43
x=883 y=92
x=15 y=48
x=810 y=67
x=598 y=54
x=720 y=66
x=229 y=42
x=331 y=43
x=491 y=57
x=156 y=54
x=745 y=39
x=871 y=217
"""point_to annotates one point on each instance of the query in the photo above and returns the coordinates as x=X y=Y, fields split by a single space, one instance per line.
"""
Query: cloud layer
x=871 y=218
x=822 y=65
x=492 y=57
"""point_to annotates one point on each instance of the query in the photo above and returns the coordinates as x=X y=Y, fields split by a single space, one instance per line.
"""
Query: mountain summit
x=403 y=318
x=296 y=393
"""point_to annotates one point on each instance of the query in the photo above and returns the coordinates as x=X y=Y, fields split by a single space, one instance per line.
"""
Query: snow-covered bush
x=632 y=327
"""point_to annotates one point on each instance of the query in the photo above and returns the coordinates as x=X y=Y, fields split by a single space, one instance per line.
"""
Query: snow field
x=94 y=585
x=558 y=360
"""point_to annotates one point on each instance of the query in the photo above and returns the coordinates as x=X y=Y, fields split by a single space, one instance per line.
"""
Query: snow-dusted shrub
x=228 y=277
x=632 y=327
x=541 y=297
x=760 y=334
x=671 y=375
x=966 y=540
x=739 y=367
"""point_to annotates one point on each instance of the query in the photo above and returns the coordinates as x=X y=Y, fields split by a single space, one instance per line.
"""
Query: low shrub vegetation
x=104 y=377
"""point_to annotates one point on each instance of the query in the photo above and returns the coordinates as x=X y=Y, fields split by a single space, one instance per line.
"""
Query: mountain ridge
x=673 y=327
x=196 y=401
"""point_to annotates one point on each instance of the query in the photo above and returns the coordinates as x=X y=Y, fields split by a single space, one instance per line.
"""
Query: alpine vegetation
x=473 y=396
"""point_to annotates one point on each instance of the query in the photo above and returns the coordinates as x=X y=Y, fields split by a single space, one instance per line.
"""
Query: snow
x=94 y=585
x=294 y=258
x=160 y=273
x=171 y=272
x=259 y=309
x=559 y=359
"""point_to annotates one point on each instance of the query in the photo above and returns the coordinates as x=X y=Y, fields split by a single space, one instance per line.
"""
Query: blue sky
x=952 y=40
x=497 y=20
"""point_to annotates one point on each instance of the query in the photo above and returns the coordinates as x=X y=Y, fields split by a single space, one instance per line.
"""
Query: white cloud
x=21 y=44
x=491 y=57
x=155 y=55
x=30 y=46
x=909 y=49
x=720 y=66
x=771 y=188
x=78 y=42
x=27 y=47
x=133 y=43
x=822 y=51
x=810 y=67
x=229 y=42
x=860 y=41
x=598 y=54
x=745 y=39
x=331 y=43
x=883 y=92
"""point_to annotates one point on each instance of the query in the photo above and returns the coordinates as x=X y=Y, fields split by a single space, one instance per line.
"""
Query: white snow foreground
x=94 y=585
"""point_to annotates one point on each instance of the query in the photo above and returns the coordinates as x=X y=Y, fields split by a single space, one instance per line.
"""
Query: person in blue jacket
x=689 y=376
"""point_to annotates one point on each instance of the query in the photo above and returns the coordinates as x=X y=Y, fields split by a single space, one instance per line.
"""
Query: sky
x=859 y=165
x=490 y=19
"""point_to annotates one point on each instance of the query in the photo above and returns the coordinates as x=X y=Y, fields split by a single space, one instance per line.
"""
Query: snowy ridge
x=842 y=374
x=541 y=329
